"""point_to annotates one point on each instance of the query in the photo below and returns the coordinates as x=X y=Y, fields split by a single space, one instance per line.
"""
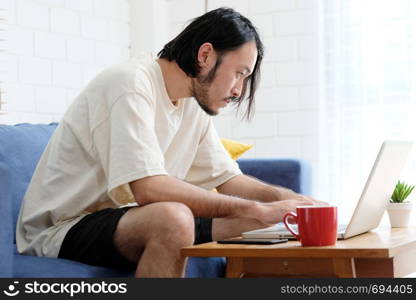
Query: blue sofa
x=20 y=148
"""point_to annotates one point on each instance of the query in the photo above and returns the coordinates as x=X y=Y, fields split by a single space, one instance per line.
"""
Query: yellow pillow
x=234 y=148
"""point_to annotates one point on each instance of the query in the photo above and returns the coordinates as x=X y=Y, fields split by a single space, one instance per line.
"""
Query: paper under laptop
x=375 y=196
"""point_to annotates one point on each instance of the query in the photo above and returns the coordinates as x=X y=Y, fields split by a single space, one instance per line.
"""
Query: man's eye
x=240 y=74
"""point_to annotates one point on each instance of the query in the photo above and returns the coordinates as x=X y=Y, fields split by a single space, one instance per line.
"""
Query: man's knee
x=175 y=223
x=167 y=223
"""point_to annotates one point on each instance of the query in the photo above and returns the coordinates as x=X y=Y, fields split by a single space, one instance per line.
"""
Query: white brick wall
x=65 y=21
x=49 y=45
x=31 y=14
x=66 y=75
x=54 y=47
x=25 y=93
x=80 y=50
x=35 y=71
x=94 y=28
x=184 y=10
x=50 y=100
x=286 y=119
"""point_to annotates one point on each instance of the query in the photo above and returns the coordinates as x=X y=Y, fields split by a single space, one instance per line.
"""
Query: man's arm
x=251 y=188
x=203 y=203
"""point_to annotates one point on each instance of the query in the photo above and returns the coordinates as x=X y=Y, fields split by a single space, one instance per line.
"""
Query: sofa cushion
x=6 y=236
x=205 y=267
x=294 y=174
x=34 y=266
x=25 y=144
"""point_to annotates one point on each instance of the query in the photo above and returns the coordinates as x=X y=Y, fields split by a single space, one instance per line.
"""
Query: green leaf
x=401 y=192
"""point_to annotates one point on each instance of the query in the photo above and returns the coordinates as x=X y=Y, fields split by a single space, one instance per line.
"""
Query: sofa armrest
x=6 y=230
x=294 y=174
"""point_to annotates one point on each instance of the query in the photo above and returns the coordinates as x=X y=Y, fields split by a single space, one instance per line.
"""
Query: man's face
x=220 y=81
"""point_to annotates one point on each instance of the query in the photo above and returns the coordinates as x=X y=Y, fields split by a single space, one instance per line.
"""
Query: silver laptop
x=374 y=198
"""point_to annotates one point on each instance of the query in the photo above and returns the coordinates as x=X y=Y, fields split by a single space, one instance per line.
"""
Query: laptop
x=375 y=196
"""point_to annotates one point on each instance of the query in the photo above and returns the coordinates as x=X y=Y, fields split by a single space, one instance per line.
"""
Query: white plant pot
x=399 y=213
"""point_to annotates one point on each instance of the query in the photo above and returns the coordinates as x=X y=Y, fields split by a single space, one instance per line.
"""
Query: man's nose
x=236 y=91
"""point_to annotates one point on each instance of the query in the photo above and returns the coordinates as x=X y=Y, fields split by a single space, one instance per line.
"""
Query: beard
x=200 y=93
x=200 y=88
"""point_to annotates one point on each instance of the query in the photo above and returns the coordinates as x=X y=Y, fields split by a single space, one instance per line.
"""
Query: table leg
x=234 y=267
x=344 y=267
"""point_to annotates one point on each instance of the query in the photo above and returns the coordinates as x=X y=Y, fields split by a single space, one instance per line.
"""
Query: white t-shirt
x=122 y=127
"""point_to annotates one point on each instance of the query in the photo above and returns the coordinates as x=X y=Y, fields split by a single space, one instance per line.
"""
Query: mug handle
x=295 y=216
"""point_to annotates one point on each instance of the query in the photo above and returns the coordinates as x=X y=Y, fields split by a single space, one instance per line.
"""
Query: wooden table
x=384 y=252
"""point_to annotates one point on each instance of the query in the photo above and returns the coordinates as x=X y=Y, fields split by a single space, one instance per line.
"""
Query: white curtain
x=368 y=91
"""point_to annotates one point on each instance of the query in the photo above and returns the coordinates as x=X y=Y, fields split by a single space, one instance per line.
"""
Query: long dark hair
x=226 y=30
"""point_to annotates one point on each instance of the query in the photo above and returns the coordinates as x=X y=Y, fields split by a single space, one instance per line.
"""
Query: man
x=126 y=179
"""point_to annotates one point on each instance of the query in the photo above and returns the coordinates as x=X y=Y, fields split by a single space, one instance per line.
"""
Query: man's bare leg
x=223 y=228
x=152 y=237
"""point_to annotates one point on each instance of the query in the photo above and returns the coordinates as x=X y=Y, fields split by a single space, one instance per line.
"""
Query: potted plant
x=398 y=209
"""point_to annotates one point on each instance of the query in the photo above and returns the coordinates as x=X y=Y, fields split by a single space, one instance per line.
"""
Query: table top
x=379 y=243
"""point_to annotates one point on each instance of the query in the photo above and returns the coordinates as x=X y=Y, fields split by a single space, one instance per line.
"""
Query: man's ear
x=206 y=55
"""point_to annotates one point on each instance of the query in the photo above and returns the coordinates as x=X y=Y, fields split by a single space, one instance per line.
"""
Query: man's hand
x=270 y=213
x=286 y=194
x=313 y=201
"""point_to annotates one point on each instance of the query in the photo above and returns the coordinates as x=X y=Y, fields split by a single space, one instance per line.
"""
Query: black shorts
x=90 y=241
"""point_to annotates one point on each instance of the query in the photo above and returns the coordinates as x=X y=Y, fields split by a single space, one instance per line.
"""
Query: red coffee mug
x=317 y=225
